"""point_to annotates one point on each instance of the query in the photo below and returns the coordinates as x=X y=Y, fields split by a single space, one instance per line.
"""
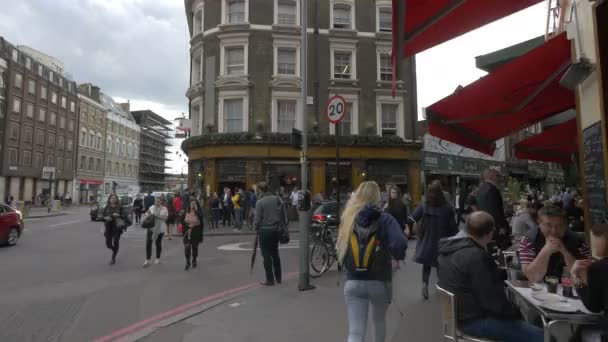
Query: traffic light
x=296 y=138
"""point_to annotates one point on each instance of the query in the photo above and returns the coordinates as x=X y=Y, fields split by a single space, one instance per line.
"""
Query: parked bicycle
x=323 y=254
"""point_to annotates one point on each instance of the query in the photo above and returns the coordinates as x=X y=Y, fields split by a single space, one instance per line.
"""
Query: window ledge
x=342 y=81
x=384 y=35
x=239 y=81
x=195 y=89
x=286 y=28
x=234 y=27
x=380 y=84
x=286 y=81
x=343 y=32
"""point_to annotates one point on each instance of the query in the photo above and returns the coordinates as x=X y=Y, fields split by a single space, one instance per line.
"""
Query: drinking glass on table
x=552 y=283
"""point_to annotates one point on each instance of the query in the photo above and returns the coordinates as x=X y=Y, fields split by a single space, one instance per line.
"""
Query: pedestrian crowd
x=544 y=232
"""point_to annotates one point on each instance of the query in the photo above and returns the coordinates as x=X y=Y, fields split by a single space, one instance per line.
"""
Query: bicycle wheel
x=319 y=259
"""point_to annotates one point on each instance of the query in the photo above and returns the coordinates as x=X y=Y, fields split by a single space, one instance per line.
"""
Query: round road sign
x=336 y=109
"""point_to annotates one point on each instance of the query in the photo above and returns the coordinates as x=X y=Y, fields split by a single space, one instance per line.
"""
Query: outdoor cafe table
x=551 y=318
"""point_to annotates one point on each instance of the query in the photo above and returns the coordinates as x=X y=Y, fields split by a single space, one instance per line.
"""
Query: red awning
x=513 y=97
x=555 y=145
x=432 y=22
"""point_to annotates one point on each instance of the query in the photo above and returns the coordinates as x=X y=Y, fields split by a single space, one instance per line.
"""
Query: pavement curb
x=43 y=216
x=207 y=234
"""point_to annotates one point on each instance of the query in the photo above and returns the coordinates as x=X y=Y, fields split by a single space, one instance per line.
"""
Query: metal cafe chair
x=447 y=300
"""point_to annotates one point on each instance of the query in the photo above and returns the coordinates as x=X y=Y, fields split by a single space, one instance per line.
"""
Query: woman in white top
x=157 y=232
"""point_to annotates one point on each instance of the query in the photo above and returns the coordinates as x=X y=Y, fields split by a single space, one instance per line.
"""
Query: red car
x=11 y=225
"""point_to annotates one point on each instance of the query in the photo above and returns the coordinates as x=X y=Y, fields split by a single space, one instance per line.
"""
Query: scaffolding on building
x=155 y=138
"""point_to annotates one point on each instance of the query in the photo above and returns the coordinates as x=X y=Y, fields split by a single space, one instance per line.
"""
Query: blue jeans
x=359 y=294
x=504 y=330
x=238 y=214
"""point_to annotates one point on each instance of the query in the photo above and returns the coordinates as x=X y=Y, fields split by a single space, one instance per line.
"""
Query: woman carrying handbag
x=155 y=233
x=193 y=234
x=116 y=221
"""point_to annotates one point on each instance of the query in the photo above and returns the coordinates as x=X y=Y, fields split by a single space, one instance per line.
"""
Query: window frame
x=18 y=81
x=233 y=95
x=285 y=42
x=225 y=13
x=343 y=46
x=200 y=8
x=387 y=99
x=274 y=109
x=29 y=105
x=19 y=103
x=31 y=90
x=351 y=5
x=276 y=14
x=380 y=6
x=13 y=157
x=380 y=51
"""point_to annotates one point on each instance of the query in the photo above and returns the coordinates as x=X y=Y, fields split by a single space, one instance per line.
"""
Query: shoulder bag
x=419 y=226
x=148 y=222
x=283 y=229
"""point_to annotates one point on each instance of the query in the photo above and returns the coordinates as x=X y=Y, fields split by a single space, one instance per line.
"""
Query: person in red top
x=177 y=203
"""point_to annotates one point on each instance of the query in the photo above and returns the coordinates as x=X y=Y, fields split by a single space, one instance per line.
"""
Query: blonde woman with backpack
x=367 y=241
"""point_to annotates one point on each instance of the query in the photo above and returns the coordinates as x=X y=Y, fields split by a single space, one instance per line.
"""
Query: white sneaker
x=146 y=263
x=157 y=261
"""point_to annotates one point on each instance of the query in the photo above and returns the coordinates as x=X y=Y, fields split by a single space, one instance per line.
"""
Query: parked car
x=97 y=207
x=326 y=213
x=11 y=225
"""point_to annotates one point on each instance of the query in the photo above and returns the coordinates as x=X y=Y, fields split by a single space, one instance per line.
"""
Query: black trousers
x=228 y=213
x=159 y=244
x=113 y=243
x=269 y=245
x=215 y=217
x=191 y=250
x=426 y=273
x=137 y=215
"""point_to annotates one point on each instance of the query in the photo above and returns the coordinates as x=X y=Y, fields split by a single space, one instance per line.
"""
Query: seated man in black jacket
x=468 y=270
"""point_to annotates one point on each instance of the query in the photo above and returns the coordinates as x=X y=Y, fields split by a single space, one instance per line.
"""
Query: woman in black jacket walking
x=116 y=221
x=396 y=208
x=194 y=233
x=434 y=220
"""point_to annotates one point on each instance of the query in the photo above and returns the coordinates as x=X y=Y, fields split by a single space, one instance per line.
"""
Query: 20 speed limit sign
x=336 y=109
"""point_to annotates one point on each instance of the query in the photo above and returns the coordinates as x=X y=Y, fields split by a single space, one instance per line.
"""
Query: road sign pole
x=304 y=215
x=337 y=128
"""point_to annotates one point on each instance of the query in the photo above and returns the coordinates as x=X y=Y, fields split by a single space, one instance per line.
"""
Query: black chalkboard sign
x=594 y=173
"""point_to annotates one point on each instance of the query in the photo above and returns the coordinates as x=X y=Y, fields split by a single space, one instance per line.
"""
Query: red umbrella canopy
x=555 y=145
x=432 y=22
x=513 y=97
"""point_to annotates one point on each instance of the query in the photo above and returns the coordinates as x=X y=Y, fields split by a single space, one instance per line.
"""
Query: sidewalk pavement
x=38 y=212
x=282 y=313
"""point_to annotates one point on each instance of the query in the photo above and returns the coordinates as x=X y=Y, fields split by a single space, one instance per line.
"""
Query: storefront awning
x=432 y=22
x=513 y=97
x=556 y=145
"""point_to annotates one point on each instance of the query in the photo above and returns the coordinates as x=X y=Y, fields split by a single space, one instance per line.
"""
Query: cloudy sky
x=138 y=49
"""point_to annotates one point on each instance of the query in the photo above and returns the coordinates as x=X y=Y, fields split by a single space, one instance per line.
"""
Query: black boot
x=194 y=263
x=425 y=291
x=187 y=266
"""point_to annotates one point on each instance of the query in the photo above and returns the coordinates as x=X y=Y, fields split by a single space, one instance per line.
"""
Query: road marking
x=234 y=305
x=64 y=223
x=176 y=311
x=248 y=246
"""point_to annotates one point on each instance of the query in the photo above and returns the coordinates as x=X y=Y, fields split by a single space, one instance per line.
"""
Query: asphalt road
x=57 y=284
